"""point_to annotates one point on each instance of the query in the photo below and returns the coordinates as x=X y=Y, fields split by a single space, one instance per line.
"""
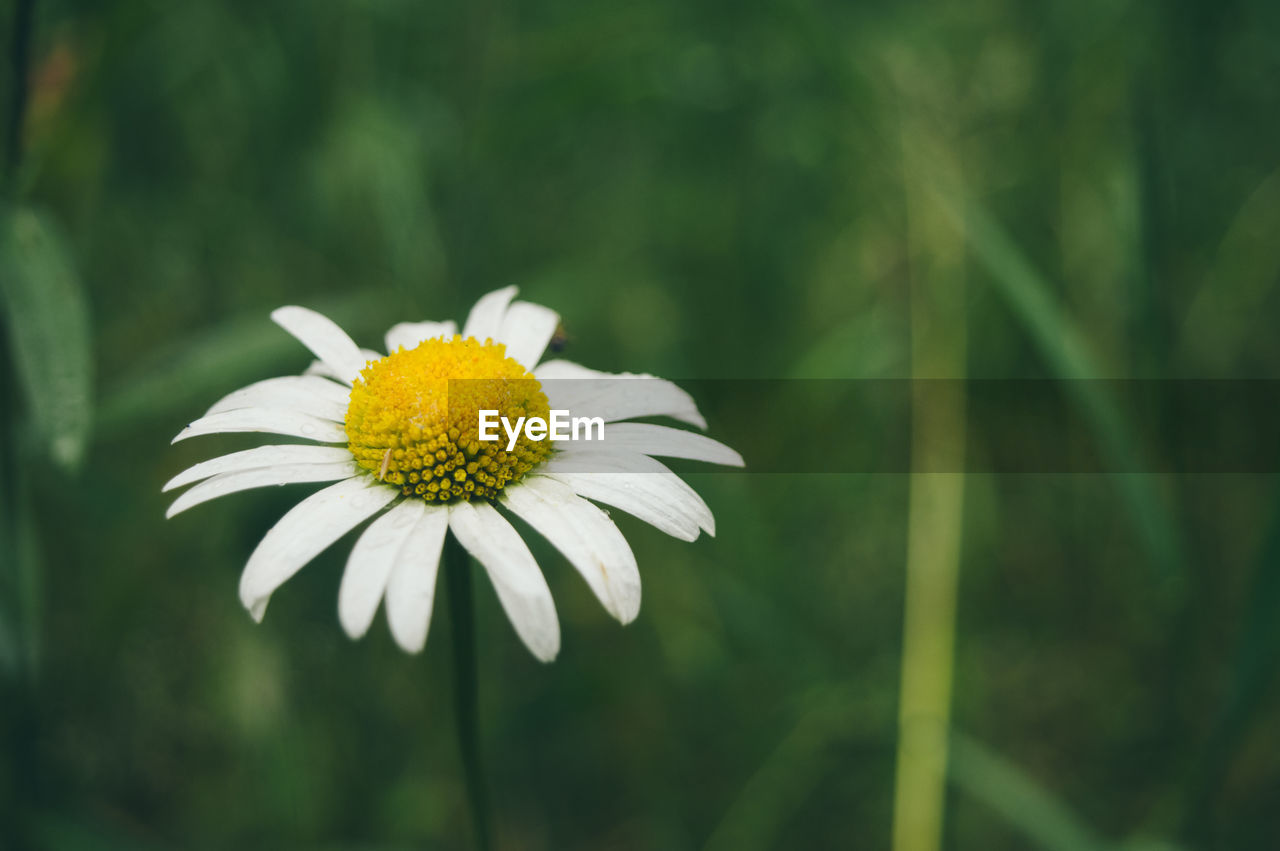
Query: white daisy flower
x=400 y=443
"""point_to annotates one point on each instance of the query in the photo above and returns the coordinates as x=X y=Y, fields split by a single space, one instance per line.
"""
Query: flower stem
x=457 y=570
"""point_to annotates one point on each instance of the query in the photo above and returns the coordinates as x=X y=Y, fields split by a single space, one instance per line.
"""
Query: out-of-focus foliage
x=49 y=332
x=703 y=190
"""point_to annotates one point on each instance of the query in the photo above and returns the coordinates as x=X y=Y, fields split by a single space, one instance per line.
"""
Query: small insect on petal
x=386 y=459
x=558 y=340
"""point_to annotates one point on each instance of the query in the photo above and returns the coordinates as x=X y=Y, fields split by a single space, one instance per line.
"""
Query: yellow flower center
x=413 y=419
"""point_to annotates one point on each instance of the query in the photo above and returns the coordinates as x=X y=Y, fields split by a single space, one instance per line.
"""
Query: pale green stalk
x=936 y=502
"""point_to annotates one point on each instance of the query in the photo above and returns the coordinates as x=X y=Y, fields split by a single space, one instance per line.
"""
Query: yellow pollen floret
x=413 y=419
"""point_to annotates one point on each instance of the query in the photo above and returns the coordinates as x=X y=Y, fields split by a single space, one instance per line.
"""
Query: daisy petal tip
x=281 y=315
x=410 y=641
x=630 y=604
x=355 y=628
x=546 y=647
x=628 y=612
x=622 y=602
x=257 y=608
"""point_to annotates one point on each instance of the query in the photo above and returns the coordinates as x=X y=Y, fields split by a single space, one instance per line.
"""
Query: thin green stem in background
x=1012 y=793
x=936 y=501
x=24 y=16
x=457 y=569
x=19 y=716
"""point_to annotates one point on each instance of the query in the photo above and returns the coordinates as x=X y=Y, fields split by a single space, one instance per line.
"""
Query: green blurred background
x=793 y=189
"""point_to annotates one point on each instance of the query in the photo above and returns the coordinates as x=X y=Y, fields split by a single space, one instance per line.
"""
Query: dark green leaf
x=48 y=322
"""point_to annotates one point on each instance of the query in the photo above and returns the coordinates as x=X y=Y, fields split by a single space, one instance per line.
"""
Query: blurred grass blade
x=186 y=375
x=48 y=322
x=868 y=345
x=1023 y=803
x=791 y=773
x=9 y=573
x=1257 y=660
x=1069 y=357
x=10 y=651
x=1230 y=305
x=19 y=583
x=64 y=833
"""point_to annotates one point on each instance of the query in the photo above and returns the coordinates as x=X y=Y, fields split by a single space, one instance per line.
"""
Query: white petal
x=370 y=564
x=411 y=590
x=322 y=336
x=664 y=441
x=615 y=396
x=638 y=485
x=410 y=334
x=586 y=536
x=304 y=532
x=282 y=474
x=319 y=367
x=526 y=330
x=273 y=420
x=521 y=587
x=257 y=458
x=558 y=369
x=310 y=394
x=485 y=319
